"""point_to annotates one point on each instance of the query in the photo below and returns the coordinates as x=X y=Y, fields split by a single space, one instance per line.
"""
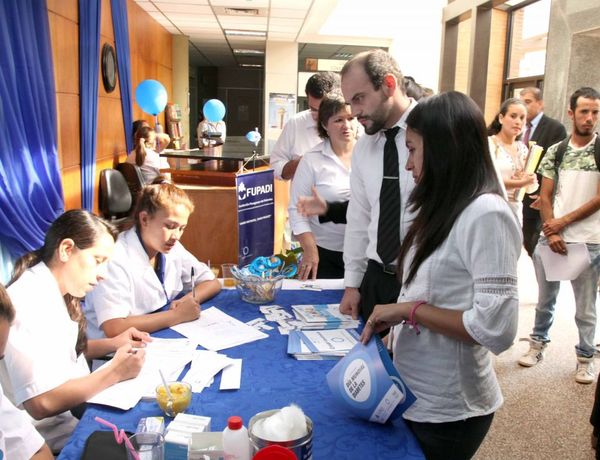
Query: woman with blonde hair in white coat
x=151 y=269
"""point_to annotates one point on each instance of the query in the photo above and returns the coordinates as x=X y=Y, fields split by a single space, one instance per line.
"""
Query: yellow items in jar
x=182 y=396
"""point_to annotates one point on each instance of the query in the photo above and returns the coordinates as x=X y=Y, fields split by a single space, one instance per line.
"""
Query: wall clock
x=109 y=68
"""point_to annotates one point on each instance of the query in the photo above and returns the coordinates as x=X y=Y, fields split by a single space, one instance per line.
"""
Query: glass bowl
x=182 y=396
x=258 y=291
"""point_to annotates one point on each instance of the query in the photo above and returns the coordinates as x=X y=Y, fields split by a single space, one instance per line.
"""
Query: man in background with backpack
x=570 y=204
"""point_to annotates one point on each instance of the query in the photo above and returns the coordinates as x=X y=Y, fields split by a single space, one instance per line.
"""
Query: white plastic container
x=236 y=444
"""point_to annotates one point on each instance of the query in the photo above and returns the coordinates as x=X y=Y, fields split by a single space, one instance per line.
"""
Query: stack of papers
x=215 y=330
x=325 y=344
x=168 y=355
x=206 y=364
x=323 y=316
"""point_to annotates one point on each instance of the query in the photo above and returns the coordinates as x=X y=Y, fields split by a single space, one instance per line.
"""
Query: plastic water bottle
x=236 y=444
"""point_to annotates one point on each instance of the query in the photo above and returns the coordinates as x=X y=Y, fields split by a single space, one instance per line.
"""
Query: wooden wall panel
x=71 y=181
x=496 y=59
x=463 y=56
x=65 y=8
x=67 y=108
x=111 y=133
x=151 y=57
x=64 y=35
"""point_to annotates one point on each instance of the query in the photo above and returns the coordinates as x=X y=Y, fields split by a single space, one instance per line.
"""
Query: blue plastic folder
x=366 y=382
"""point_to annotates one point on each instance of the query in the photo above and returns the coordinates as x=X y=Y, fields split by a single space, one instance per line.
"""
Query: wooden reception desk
x=212 y=230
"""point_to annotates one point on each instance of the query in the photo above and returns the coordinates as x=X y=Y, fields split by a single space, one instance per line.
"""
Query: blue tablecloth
x=271 y=380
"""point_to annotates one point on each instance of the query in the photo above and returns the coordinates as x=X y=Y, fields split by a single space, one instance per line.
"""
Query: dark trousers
x=531 y=233
x=331 y=263
x=451 y=440
x=377 y=287
x=595 y=418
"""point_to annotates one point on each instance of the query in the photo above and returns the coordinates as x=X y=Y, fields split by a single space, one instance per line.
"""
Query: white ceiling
x=204 y=22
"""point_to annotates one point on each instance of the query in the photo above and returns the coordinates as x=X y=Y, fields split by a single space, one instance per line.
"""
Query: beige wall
x=151 y=52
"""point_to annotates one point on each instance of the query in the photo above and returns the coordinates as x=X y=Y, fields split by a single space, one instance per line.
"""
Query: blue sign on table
x=256 y=215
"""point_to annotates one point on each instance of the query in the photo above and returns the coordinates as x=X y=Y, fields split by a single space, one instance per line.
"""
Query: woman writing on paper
x=325 y=169
x=459 y=273
x=510 y=154
x=44 y=368
x=150 y=268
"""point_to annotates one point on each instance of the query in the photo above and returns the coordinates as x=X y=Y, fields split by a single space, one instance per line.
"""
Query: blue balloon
x=151 y=96
x=213 y=110
x=253 y=136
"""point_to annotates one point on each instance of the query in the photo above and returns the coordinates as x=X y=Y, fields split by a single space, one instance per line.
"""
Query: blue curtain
x=30 y=183
x=89 y=60
x=119 y=17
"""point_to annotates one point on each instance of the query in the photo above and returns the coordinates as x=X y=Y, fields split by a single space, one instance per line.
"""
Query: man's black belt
x=389 y=269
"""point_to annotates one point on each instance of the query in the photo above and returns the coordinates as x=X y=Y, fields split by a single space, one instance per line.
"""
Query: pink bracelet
x=411 y=317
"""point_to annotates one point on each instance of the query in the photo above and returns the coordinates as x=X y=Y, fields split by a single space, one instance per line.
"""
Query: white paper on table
x=215 y=330
x=168 y=355
x=205 y=365
x=231 y=377
x=320 y=283
x=560 y=267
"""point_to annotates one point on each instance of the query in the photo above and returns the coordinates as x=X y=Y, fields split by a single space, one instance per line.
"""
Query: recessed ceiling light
x=245 y=33
x=251 y=65
x=248 y=51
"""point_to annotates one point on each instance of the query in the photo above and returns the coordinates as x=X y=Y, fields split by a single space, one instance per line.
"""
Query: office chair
x=114 y=197
x=134 y=177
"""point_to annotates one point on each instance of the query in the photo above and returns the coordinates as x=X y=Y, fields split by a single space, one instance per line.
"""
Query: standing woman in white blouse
x=325 y=169
x=510 y=154
x=459 y=273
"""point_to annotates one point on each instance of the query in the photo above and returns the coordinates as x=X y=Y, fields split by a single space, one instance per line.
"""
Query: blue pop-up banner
x=256 y=211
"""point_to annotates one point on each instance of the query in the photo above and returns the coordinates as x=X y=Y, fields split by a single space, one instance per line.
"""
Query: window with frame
x=526 y=45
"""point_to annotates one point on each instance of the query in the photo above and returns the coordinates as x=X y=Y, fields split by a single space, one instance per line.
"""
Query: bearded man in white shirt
x=372 y=84
x=300 y=133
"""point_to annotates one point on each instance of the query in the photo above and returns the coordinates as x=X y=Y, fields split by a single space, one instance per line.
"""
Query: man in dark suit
x=544 y=131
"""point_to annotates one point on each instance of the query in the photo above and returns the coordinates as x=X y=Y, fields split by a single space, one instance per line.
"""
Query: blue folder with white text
x=366 y=382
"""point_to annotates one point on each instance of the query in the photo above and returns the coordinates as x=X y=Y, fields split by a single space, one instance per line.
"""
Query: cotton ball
x=286 y=424
x=296 y=421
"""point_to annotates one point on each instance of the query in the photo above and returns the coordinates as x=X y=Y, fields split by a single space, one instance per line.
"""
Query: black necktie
x=388 y=230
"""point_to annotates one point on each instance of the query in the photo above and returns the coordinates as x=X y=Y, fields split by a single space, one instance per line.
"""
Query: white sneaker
x=534 y=355
x=585 y=370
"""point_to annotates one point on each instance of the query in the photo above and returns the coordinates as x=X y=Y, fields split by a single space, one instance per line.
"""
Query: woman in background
x=510 y=154
x=459 y=280
x=326 y=170
x=150 y=269
x=44 y=368
x=144 y=155
x=162 y=139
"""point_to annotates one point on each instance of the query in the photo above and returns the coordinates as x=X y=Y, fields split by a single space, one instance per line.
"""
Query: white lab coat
x=19 y=440
x=40 y=353
x=132 y=288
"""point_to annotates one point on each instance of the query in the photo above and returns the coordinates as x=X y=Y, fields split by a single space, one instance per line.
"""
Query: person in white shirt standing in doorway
x=300 y=134
x=377 y=218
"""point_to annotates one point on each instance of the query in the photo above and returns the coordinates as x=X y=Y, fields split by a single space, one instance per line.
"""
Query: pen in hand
x=193 y=285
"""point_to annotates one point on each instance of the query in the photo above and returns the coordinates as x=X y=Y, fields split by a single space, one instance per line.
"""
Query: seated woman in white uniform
x=326 y=169
x=150 y=268
x=146 y=157
x=44 y=368
x=19 y=440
